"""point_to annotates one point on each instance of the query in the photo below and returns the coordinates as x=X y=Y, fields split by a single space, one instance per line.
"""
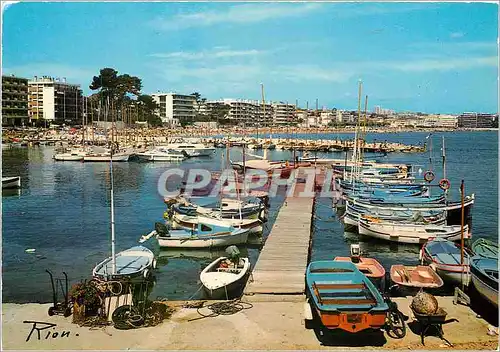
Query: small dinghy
x=11 y=182
x=410 y=279
x=133 y=263
x=445 y=258
x=343 y=297
x=484 y=269
x=370 y=267
x=225 y=276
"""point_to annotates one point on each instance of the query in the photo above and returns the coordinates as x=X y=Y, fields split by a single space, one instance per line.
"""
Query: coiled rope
x=223 y=308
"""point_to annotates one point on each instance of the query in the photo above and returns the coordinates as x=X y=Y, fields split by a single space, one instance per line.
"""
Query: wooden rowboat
x=413 y=278
x=343 y=297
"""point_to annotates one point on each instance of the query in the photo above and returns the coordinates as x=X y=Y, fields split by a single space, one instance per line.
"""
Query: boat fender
x=154 y=264
x=146 y=273
x=166 y=215
x=429 y=176
x=262 y=215
x=444 y=184
x=420 y=255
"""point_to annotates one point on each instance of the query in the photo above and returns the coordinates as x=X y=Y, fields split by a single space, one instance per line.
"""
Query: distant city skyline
x=421 y=57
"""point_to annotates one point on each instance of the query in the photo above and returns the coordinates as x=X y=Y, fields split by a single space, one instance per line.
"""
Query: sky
x=427 y=57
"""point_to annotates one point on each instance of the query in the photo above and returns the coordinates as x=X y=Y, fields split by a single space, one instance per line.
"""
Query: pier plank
x=282 y=262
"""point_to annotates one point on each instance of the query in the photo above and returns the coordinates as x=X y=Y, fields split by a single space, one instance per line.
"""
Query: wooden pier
x=280 y=269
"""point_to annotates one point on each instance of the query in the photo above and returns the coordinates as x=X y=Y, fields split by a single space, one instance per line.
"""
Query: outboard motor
x=355 y=253
x=161 y=229
x=233 y=253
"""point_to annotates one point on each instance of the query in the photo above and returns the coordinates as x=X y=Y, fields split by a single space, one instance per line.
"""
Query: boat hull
x=396 y=234
x=68 y=157
x=486 y=286
x=106 y=158
x=226 y=286
x=203 y=242
x=11 y=182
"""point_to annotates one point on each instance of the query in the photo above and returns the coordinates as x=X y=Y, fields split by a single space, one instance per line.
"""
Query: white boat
x=191 y=149
x=202 y=236
x=11 y=182
x=185 y=221
x=444 y=258
x=224 y=277
x=410 y=233
x=162 y=154
x=133 y=263
x=69 y=156
x=98 y=154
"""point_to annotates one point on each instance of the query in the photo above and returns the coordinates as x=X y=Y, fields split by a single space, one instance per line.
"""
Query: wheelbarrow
x=435 y=321
x=59 y=308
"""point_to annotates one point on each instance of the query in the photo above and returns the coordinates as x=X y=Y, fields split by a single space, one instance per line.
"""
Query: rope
x=223 y=308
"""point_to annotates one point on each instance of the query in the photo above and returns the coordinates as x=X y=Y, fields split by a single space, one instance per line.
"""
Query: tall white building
x=54 y=100
x=283 y=113
x=174 y=108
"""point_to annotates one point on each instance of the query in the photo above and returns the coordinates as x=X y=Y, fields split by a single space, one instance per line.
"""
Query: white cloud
x=203 y=55
x=311 y=73
x=444 y=64
x=241 y=14
x=457 y=35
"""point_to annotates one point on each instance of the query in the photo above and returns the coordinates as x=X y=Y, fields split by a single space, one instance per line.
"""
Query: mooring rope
x=223 y=308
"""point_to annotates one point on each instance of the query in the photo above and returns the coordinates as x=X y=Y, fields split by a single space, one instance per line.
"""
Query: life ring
x=429 y=176
x=444 y=184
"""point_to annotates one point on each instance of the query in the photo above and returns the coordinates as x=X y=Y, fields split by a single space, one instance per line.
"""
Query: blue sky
x=429 y=57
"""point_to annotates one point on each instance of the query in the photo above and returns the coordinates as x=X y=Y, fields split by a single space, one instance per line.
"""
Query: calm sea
x=63 y=211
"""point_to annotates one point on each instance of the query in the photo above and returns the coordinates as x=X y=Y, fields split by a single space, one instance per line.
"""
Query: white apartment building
x=283 y=113
x=326 y=117
x=174 y=108
x=53 y=99
x=445 y=121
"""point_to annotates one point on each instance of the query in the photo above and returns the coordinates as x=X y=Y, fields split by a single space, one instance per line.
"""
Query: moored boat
x=225 y=276
x=343 y=297
x=187 y=222
x=133 y=263
x=445 y=258
x=410 y=233
x=370 y=267
x=201 y=236
x=162 y=154
x=410 y=279
x=11 y=182
x=484 y=269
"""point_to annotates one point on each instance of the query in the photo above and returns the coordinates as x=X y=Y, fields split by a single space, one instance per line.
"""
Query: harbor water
x=63 y=212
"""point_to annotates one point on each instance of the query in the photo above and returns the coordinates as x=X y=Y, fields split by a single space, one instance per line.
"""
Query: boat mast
x=462 y=234
x=364 y=129
x=263 y=103
x=113 y=254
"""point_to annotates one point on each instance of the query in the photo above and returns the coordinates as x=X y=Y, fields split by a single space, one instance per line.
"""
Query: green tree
x=147 y=110
x=219 y=112
x=115 y=86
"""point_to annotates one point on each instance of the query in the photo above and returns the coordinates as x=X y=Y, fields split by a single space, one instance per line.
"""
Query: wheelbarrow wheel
x=67 y=312
x=396 y=325
x=51 y=311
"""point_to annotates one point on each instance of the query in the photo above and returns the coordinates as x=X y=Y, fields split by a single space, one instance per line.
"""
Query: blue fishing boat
x=484 y=269
x=445 y=258
x=397 y=199
x=343 y=297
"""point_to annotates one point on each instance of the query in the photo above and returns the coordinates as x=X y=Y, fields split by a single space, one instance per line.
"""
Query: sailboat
x=134 y=263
